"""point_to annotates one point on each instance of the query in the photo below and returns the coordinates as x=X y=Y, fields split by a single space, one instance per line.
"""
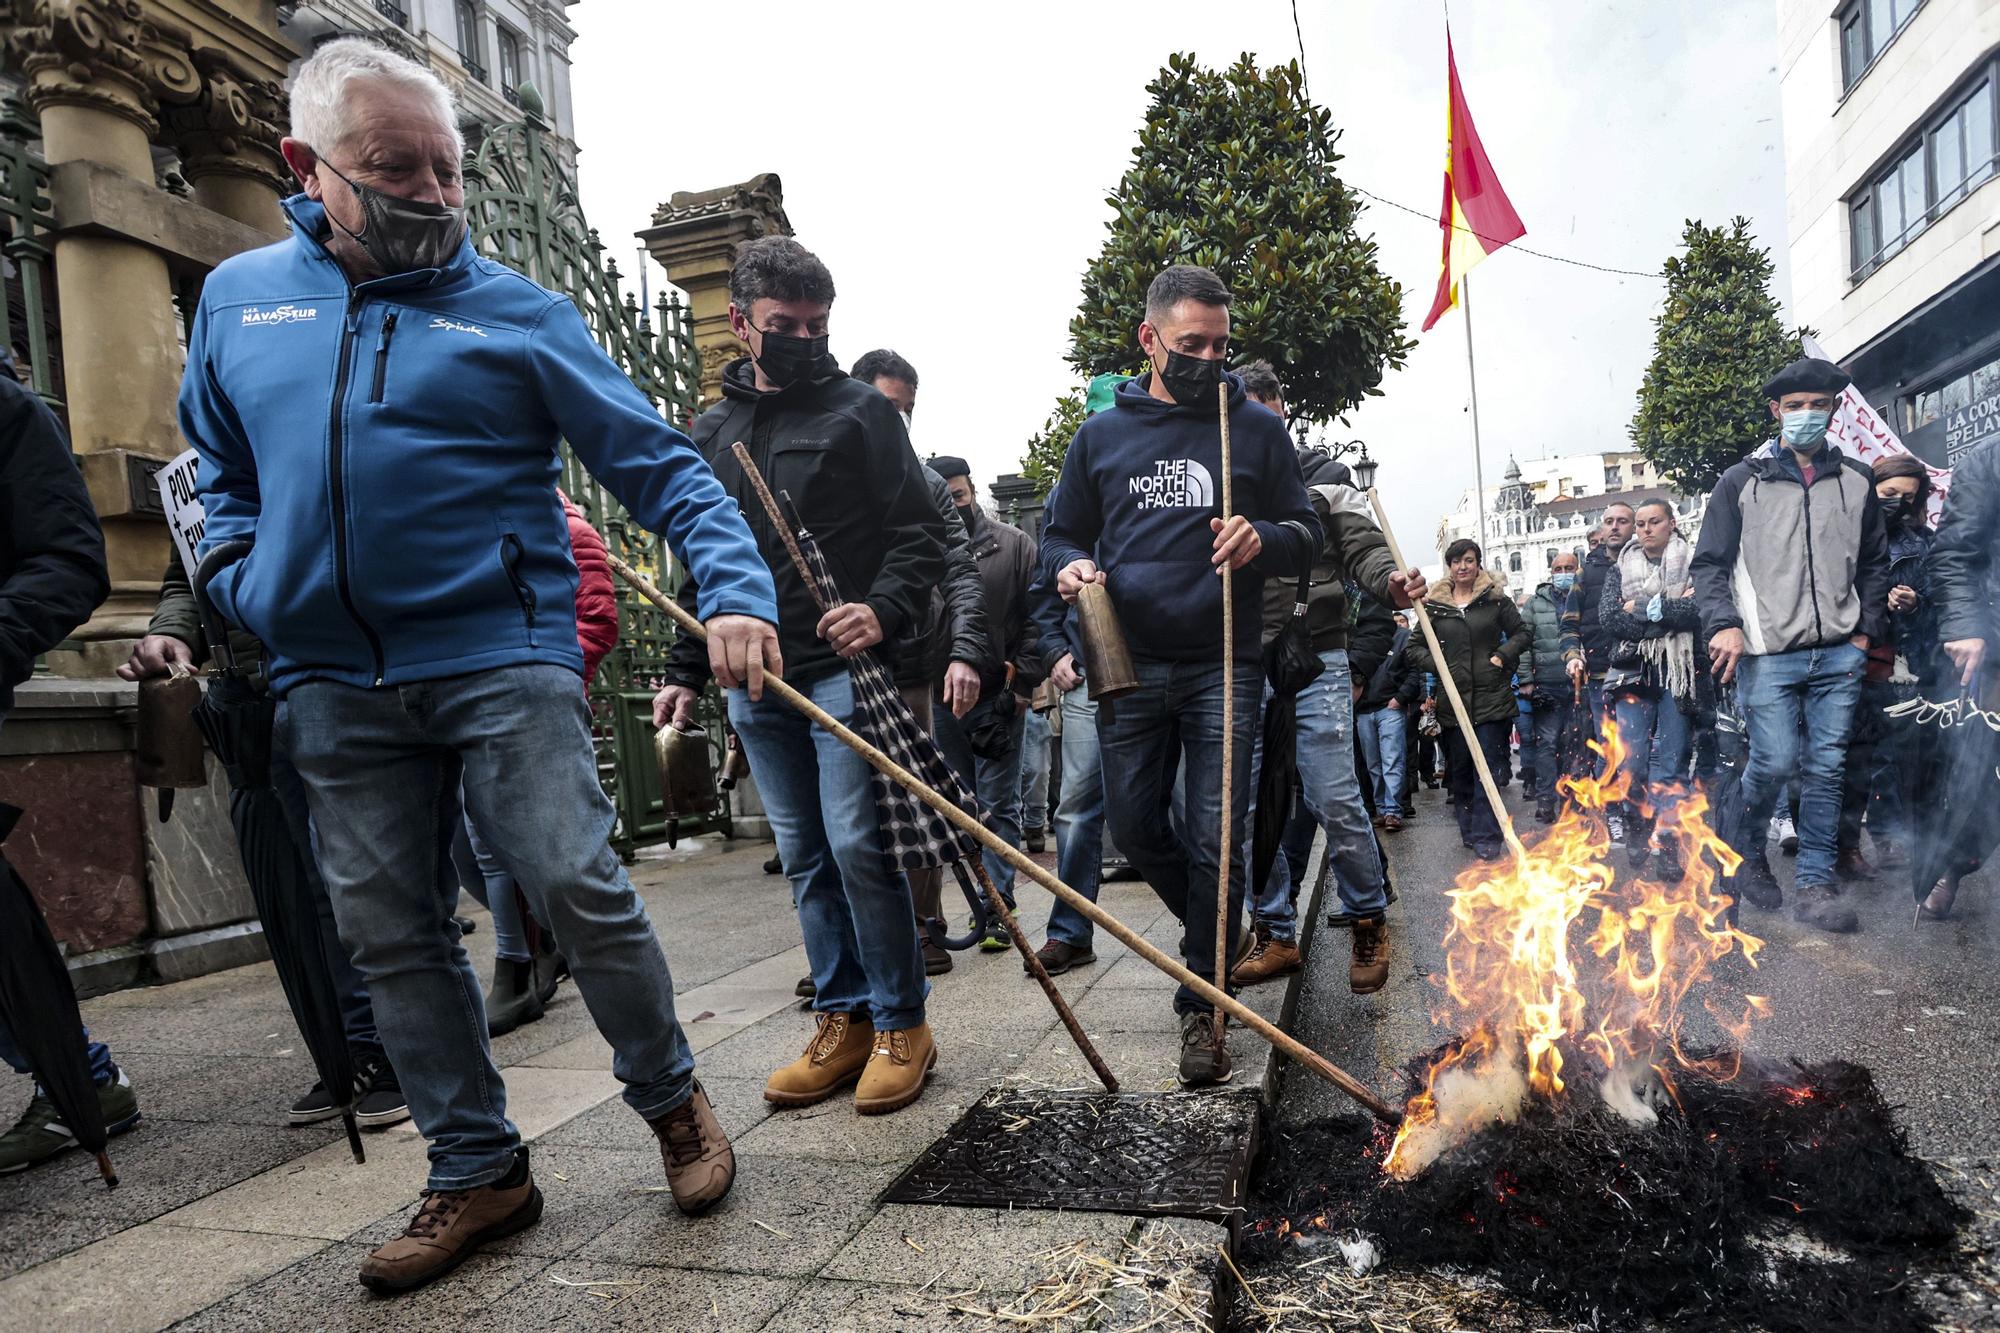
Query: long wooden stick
x=1465 y=728
x=1124 y=934
x=1222 y=913
x=996 y=903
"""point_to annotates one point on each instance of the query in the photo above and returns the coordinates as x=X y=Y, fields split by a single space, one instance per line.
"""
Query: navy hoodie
x=1139 y=486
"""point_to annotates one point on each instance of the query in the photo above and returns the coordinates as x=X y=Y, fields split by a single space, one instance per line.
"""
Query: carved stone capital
x=105 y=54
x=232 y=127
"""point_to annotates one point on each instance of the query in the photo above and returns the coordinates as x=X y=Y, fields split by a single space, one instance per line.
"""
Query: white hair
x=320 y=89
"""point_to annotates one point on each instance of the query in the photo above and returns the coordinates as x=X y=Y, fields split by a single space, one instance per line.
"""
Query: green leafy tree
x=1234 y=171
x=1717 y=340
x=1047 y=446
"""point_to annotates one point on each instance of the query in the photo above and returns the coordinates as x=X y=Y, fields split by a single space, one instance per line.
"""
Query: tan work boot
x=896 y=1071
x=701 y=1166
x=1369 y=972
x=833 y=1059
x=448 y=1228
x=1270 y=960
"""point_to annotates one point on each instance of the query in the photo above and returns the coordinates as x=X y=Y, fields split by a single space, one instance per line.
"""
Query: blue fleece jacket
x=391 y=448
x=1139 y=487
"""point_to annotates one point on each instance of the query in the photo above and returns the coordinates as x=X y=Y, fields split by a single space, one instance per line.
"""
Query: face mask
x=1896 y=509
x=965 y=515
x=1564 y=582
x=786 y=360
x=403 y=235
x=1805 y=427
x=1190 y=380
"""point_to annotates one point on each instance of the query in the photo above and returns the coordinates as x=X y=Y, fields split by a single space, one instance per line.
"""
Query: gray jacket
x=1793 y=566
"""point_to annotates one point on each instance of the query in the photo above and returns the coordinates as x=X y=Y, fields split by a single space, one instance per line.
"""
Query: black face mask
x=1190 y=380
x=403 y=235
x=965 y=515
x=786 y=359
x=1896 y=512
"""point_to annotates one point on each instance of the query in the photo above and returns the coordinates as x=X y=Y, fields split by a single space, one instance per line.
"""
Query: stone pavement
x=227 y=1218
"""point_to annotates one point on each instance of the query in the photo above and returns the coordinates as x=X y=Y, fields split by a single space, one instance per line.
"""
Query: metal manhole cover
x=1184 y=1154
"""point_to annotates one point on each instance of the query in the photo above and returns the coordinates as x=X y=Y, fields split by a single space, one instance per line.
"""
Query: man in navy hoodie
x=1138 y=511
x=377 y=408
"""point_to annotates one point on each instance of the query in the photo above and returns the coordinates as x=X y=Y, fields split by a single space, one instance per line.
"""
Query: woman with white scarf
x=1656 y=668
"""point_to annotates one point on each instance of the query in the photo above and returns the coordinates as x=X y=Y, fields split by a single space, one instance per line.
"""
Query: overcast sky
x=950 y=163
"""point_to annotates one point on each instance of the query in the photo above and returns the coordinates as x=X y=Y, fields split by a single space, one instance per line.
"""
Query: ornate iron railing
x=523 y=210
x=27 y=316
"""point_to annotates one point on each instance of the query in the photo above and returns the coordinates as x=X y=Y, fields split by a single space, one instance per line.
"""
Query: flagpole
x=1472 y=377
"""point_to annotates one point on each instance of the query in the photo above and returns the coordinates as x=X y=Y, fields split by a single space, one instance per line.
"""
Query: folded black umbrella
x=39 y=1005
x=1290 y=664
x=1956 y=829
x=238 y=718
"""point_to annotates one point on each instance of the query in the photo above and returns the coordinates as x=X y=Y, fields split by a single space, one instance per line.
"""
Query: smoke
x=1634 y=1089
x=1465 y=1101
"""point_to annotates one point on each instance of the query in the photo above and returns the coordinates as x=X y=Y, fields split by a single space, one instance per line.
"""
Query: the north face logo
x=284 y=314
x=1175 y=483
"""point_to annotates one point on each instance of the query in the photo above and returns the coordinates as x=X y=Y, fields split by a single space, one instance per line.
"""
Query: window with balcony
x=467 y=14
x=1866 y=29
x=1614 y=479
x=1939 y=164
x=393 y=12
x=509 y=52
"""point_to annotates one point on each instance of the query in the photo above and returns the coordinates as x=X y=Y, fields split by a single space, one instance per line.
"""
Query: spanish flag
x=1477 y=219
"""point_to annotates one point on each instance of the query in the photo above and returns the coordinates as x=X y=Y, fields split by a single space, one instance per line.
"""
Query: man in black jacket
x=947 y=651
x=840 y=451
x=984 y=744
x=52 y=576
x=1580 y=617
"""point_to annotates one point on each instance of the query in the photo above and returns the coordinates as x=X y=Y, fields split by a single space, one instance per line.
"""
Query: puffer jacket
x=1965 y=578
x=1546 y=661
x=954 y=625
x=1793 y=566
x=596 y=594
x=1489 y=625
x=1354 y=551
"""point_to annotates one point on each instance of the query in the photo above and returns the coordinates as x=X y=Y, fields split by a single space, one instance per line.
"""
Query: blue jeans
x=996 y=779
x=494 y=888
x=1079 y=817
x=1175 y=718
x=357 y=1015
x=1656 y=738
x=1035 y=771
x=854 y=911
x=1331 y=786
x=1816 y=688
x=383 y=768
x=102 y=1069
x=1553 y=713
x=1383 y=739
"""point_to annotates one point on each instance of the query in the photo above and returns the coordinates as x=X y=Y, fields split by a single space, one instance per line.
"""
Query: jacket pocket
x=511 y=552
x=379 y=384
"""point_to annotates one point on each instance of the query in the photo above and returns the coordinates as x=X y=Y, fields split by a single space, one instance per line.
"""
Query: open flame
x=1531 y=974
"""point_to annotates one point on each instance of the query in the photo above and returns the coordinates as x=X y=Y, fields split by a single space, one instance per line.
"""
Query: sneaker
x=314 y=1107
x=378 y=1094
x=1057 y=957
x=996 y=939
x=1785 y=834
x=898 y=1067
x=1615 y=821
x=1202 y=1063
x=1819 y=906
x=1369 y=972
x=40 y=1133
x=450 y=1226
x=833 y=1059
x=701 y=1166
x=513 y=998
x=1269 y=960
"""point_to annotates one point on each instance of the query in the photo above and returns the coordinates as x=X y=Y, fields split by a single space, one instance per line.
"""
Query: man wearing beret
x=1792 y=577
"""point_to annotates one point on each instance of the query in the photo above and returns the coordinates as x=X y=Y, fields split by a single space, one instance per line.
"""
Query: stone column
x=93 y=69
x=694 y=238
x=228 y=138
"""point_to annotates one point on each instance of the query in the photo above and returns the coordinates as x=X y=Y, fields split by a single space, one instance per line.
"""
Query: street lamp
x=1364 y=470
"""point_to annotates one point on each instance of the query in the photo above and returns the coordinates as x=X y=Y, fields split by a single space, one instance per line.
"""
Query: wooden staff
x=1465 y=729
x=994 y=902
x=1222 y=913
x=1131 y=939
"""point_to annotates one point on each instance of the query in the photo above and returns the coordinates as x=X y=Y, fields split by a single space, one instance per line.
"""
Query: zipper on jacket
x=337 y=485
x=1812 y=575
x=382 y=356
x=510 y=562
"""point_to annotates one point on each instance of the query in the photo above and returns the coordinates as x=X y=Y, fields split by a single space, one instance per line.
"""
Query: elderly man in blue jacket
x=378 y=410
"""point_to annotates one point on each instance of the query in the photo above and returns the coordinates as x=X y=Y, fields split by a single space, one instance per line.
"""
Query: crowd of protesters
x=426 y=615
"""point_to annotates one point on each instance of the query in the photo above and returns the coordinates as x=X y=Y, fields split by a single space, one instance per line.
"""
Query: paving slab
x=909 y=1244
x=676 y=1299
x=160 y=1164
x=324 y=1292
x=739 y=1103
x=143 y=1278
x=833 y=1131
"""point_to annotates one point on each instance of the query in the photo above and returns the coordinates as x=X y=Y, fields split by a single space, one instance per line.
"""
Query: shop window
x=1943 y=422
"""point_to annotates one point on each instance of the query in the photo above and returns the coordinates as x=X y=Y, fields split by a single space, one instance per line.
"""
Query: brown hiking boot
x=448 y=1228
x=1369 y=972
x=833 y=1059
x=701 y=1166
x=937 y=959
x=1058 y=957
x=1270 y=960
x=897 y=1068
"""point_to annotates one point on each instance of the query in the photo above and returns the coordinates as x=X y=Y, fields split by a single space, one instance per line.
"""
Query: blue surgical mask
x=1563 y=582
x=1807 y=426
